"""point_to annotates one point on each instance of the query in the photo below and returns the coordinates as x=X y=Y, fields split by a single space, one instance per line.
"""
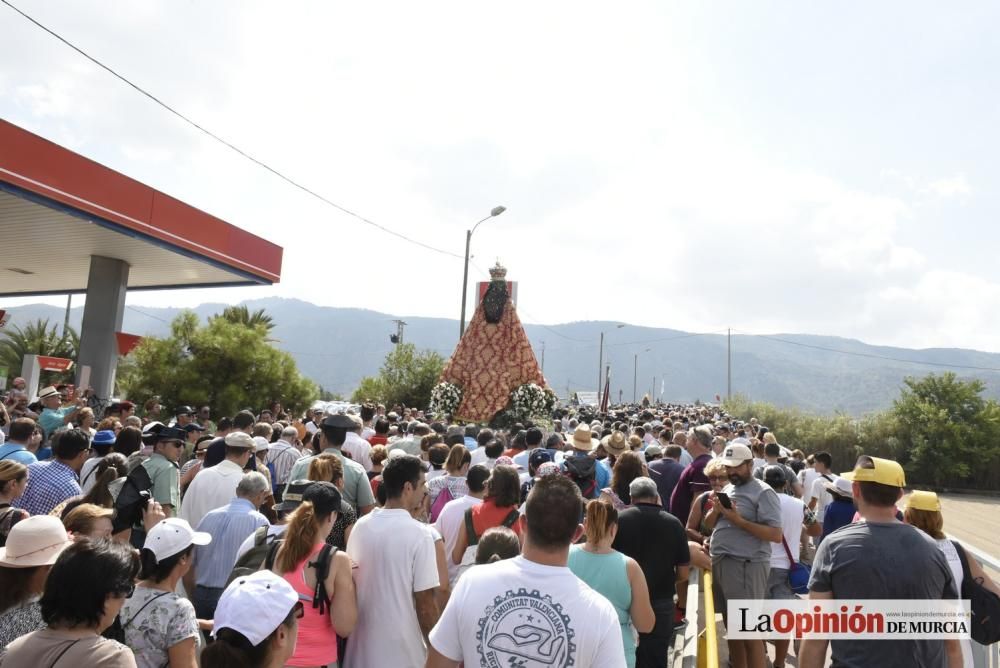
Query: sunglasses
x=199 y=453
x=721 y=478
x=126 y=593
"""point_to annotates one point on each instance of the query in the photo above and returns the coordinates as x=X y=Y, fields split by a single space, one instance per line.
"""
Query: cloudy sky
x=824 y=168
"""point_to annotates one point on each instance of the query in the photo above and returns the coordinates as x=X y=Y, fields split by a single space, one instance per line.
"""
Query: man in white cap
x=741 y=543
x=215 y=487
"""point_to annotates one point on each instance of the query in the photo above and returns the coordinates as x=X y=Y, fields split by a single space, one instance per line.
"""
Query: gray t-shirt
x=790 y=478
x=867 y=560
x=757 y=503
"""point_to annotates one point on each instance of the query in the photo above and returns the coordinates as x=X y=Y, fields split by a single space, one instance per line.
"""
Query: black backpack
x=132 y=499
x=470 y=529
x=985 y=604
x=321 y=599
x=583 y=471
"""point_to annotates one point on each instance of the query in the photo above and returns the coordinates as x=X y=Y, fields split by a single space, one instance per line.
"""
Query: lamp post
x=496 y=211
x=600 y=365
x=635 y=377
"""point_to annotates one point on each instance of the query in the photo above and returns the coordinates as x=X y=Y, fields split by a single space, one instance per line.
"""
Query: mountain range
x=336 y=347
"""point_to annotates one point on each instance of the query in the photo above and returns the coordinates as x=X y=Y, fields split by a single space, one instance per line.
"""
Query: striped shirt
x=229 y=527
x=49 y=483
x=283 y=456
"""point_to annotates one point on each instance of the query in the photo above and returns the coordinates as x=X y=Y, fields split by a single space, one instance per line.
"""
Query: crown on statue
x=498 y=272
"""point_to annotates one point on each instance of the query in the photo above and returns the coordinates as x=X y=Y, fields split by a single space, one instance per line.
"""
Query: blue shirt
x=837 y=514
x=17 y=453
x=49 y=483
x=51 y=419
x=229 y=527
x=471 y=443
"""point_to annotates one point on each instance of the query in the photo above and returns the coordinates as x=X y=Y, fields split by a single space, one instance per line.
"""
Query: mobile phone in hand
x=724 y=499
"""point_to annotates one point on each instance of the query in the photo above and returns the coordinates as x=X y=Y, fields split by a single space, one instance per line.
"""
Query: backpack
x=985 y=604
x=443 y=497
x=583 y=471
x=470 y=529
x=261 y=553
x=132 y=499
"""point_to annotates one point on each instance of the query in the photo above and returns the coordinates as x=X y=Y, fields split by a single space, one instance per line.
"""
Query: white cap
x=260 y=444
x=240 y=439
x=172 y=536
x=254 y=606
x=735 y=454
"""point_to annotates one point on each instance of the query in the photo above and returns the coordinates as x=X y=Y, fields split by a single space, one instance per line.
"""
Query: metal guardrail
x=694 y=649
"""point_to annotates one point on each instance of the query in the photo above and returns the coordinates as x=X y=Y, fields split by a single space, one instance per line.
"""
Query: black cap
x=171 y=434
x=293 y=497
x=774 y=476
x=193 y=426
x=339 y=422
x=184 y=410
x=538 y=457
x=324 y=496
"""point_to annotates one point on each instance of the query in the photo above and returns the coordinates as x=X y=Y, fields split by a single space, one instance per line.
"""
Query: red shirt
x=378 y=439
x=488 y=514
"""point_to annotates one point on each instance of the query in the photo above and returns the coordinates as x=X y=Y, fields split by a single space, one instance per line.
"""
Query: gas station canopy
x=71 y=225
x=57 y=209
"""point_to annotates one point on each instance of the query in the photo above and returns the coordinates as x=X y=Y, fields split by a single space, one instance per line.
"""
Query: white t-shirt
x=449 y=524
x=211 y=488
x=394 y=557
x=528 y=615
x=87 y=476
x=822 y=495
x=792 y=515
x=806 y=478
x=359 y=449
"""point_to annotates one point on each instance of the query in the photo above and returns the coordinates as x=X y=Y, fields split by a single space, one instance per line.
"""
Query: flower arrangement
x=530 y=400
x=445 y=398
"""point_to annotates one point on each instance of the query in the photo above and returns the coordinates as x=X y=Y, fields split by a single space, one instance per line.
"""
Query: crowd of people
x=391 y=537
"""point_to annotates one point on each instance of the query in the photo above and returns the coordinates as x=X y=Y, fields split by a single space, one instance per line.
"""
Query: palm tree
x=39 y=339
x=241 y=315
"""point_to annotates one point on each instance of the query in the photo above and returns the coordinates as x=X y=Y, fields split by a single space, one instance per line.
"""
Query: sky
x=823 y=168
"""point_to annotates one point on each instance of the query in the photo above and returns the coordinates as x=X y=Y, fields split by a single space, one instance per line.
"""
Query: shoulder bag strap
x=272 y=553
x=470 y=529
x=791 y=559
x=144 y=605
x=966 y=574
x=68 y=648
x=511 y=518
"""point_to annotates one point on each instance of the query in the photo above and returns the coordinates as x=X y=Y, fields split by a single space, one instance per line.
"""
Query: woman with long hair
x=613 y=575
x=332 y=607
x=327 y=468
x=256 y=624
x=499 y=508
x=13 y=480
x=628 y=466
x=111 y=467
x=456 y=468
x=160 y=626
x=923 y=510
x=84 y=592
x=698 y=532
x=32 y=548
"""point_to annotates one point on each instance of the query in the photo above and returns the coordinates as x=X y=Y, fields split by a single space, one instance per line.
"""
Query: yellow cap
x=882 y=471
x=919 y=500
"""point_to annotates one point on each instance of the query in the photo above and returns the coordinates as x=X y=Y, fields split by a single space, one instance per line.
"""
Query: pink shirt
x=317 y=643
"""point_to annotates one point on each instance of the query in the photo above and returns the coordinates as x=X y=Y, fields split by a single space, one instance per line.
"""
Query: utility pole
x=600 y=365
x=729 y=364
x=397 y=338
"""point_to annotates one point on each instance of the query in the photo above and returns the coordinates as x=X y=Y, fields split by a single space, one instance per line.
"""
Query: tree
x=226 y=365
x=407 y=377
x=39 y=339
x=241 y=315
x=944 y=425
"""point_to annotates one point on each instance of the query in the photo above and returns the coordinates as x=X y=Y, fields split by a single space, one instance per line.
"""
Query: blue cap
x=104 y=437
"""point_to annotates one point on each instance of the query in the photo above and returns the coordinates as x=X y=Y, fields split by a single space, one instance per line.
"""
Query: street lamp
x=635 y=377
x=496 y=211
x=600 y=366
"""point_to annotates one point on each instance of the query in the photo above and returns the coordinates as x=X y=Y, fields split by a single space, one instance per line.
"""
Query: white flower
x=445 y=398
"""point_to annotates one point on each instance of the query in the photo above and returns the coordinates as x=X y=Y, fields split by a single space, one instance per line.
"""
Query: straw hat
x=34 y=541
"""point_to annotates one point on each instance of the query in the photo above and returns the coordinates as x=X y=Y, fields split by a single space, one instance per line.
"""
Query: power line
x=148 y=315
x=226 y=143
x=872 y=355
